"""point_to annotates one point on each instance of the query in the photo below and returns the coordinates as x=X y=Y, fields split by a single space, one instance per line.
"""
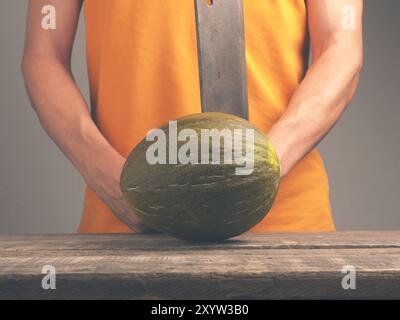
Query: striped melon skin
x=202 y=202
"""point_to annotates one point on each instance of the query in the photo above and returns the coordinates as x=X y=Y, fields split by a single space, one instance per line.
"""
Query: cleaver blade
x=222 y=56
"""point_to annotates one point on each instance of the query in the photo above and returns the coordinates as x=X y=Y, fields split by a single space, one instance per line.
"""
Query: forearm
x=62 y=109
x=63 y=113
x=316 y=105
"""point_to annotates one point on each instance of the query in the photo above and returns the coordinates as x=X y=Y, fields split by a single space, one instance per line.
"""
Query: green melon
x=200 y=201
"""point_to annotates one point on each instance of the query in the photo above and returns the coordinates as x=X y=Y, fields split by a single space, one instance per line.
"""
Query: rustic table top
x=253 y=266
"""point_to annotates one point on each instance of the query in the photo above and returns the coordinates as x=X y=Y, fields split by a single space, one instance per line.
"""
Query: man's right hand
x=62 y=109
x=104 y=179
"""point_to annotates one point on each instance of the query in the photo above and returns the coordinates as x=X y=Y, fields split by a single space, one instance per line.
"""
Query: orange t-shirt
x=143 y=71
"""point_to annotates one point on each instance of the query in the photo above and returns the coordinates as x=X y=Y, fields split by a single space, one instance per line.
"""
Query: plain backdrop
x=40 y=191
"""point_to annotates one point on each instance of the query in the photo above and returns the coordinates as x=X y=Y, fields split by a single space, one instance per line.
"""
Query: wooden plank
x=209 y=262
x=256 y=266
x=383 y=285
x=127 y=243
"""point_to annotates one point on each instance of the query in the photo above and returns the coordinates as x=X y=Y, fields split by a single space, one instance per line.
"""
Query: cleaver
x=222 y=56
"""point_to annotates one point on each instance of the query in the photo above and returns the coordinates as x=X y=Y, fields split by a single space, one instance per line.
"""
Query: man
x=143 y=71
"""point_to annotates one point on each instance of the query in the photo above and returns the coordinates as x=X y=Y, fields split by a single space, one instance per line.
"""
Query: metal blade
x=222 y=59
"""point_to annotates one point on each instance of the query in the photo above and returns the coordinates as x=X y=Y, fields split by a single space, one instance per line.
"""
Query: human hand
x=104 y=179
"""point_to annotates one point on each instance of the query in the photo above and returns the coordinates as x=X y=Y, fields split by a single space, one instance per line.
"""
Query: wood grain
x=255 y=266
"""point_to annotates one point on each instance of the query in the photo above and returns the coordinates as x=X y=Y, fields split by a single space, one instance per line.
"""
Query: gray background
x=40 y=191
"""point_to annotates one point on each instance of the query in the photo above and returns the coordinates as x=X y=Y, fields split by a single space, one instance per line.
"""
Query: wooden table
x=254 y=266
